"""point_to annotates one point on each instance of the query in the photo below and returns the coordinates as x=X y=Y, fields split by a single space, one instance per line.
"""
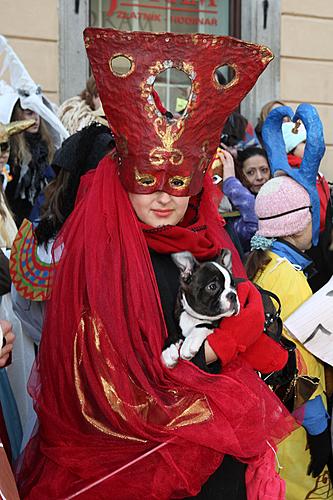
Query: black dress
x=228 y=481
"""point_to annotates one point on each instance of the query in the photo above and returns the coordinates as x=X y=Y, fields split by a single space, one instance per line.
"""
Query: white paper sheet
x=312 y=323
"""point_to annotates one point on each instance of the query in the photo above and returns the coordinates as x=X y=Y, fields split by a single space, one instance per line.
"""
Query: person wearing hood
x=32 y=153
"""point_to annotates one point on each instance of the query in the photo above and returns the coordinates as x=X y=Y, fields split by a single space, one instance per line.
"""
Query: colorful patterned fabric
x=31 y=276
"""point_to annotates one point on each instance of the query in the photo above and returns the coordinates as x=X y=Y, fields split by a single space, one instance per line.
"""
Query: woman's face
x=159 y=208
x=28 y=114
x=299 y=150
x=256 y=172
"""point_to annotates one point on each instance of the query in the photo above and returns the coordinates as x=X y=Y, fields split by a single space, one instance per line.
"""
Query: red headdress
x=155 y=155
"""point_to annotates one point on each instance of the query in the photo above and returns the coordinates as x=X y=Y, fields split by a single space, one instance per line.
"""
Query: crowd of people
x=96 y=198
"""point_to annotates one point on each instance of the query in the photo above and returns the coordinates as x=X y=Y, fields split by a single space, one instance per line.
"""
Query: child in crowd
x=80 y=111
x=294 y=136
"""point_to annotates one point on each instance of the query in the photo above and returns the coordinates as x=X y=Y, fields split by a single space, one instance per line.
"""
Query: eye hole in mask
x=178 y=182
x=217 y=179
x=145 y=179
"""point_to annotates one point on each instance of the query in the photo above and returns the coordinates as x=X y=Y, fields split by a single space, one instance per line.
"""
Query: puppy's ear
x=186 y=263
x=225 y=259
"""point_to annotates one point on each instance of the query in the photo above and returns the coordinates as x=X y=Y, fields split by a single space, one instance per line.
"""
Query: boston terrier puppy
x=207 y=294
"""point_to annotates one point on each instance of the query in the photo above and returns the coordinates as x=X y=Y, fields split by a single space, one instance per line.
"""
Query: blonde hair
x=265 y=110
x=89 y=92
x=19 y=147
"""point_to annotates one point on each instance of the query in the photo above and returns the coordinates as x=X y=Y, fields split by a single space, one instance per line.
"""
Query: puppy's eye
x=211 y=286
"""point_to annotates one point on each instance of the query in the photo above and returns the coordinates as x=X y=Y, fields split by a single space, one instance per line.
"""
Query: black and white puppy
x=207 y=294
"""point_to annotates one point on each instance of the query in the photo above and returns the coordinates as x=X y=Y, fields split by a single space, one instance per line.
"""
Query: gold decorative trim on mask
x=146 y=180
x=147 y=85
x=266 y=54
x=157 y=156
x=169 y=133
x=232 y=82
x=185 y=181
x=126 y=56
x=204 y=157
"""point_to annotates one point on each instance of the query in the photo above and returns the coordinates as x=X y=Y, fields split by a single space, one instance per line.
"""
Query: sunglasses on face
x=4 y=147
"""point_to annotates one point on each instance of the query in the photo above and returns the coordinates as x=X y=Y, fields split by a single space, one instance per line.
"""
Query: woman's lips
x=163 y=213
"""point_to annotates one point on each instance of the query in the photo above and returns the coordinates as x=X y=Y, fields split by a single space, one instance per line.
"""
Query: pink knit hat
x=282 y=207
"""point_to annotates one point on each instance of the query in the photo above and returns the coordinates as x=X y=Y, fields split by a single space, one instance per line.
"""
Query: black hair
x=247 y=153
x=234 y=129
x=80 y=153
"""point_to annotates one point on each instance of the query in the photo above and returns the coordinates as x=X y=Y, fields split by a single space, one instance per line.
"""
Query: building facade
x=47 y=35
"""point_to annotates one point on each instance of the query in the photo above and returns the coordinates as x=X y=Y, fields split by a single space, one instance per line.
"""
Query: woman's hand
x=228 y=163
x=9 y=338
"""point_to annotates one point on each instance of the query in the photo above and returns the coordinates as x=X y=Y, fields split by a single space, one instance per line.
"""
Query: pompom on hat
x=293 y=135
x=282 y=207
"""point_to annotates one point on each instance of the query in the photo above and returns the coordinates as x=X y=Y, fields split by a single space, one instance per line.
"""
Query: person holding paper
x=288 y=216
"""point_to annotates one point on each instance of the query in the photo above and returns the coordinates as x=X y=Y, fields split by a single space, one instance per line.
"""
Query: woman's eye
x=148 y=182
x=216 y=179
x=177 y=182
x=251 y=172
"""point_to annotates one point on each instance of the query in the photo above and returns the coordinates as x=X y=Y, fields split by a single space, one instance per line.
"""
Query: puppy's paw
x=170 y=355
x=193 y=342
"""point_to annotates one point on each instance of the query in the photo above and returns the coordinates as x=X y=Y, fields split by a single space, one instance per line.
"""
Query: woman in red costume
x=114 y=422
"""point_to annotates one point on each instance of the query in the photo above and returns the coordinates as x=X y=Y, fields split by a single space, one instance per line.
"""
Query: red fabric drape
x=102 y=395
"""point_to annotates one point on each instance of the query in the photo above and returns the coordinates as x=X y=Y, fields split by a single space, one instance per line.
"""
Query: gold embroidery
x=79 y=385
x=198 y=412
x=186 y=410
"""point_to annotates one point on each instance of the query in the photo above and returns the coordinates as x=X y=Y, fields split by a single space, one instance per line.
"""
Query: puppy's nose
x=231 y=296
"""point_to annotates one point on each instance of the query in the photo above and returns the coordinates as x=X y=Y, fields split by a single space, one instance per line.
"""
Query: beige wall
x=31 y=28
x=307 y=62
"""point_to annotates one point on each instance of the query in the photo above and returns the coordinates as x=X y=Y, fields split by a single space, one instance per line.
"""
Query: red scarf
x=201 y=232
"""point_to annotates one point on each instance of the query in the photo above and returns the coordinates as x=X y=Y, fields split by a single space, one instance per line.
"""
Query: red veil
x=104 y=398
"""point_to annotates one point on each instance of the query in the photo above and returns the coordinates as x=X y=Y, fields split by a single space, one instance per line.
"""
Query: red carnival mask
x=154 y=154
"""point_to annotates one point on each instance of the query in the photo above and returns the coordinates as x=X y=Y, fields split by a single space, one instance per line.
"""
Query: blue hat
x=306 y=174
